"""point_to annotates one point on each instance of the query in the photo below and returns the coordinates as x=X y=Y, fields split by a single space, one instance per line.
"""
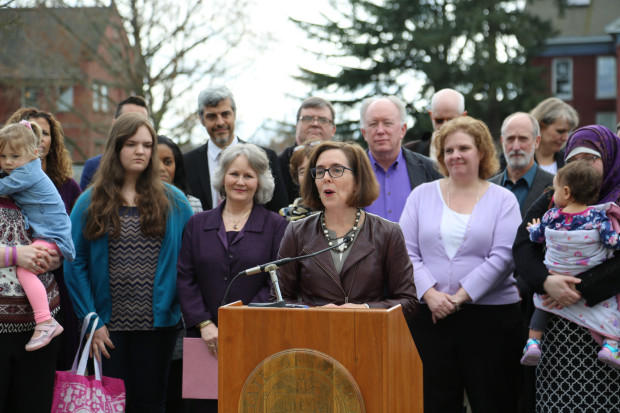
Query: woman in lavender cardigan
x=459 y=232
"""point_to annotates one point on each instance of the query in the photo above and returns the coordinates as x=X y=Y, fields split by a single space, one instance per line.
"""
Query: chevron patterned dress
x=132 y=262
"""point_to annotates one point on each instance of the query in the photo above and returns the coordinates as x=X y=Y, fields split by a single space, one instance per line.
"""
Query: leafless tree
x=174 y=45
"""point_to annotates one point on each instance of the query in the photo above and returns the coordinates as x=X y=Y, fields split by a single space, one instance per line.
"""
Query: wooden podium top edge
x=239 y=305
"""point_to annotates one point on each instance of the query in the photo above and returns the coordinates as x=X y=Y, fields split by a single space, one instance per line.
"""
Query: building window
x=65 y=98
x=605 y=77
x=562 y=78
x=607 y=119
x=30 y=97
x=100 y=97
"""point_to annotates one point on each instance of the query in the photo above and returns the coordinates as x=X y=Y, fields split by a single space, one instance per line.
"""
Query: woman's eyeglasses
x=585 y=158
x=335 y=171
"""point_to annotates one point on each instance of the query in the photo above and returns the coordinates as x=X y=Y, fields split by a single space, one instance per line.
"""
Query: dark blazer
x=90 y=167
x=542 y=181
x=207 y=262
x=420 y=168
x=377 y=272
x=199 y=181
x=292 y=189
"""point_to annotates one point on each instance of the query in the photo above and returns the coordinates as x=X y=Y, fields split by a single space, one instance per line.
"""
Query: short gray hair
x=400 y=105
x=213 y=96
x=257 y=158
x=534 y=122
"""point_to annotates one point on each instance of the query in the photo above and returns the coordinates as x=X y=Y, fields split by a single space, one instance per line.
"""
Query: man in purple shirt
x=398 y=170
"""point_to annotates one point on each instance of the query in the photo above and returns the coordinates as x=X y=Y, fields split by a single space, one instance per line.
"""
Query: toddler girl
x=44 y=213
x=578 y=237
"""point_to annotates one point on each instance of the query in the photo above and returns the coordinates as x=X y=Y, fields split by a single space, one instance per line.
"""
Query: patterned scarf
x=603 y=141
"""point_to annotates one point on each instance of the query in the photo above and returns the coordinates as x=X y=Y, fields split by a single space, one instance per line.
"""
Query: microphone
x=278 y=263
x=272 y=266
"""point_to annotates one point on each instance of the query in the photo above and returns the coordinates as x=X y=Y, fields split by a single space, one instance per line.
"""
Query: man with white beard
x=520 y=138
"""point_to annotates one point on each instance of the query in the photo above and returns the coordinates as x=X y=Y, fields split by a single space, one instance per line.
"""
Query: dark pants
x=142 y=360
x=477 y=350
x=527 y=396
x=70 y=337
x=26 y=377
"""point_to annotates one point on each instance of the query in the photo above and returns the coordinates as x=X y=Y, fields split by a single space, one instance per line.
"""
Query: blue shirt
x=394 y=188
x=523 y=185
x=43 y=208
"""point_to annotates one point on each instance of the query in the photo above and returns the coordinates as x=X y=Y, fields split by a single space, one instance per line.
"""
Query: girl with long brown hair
x=127 y=230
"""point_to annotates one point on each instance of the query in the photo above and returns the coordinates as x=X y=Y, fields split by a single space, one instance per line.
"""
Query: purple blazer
x=207 y=263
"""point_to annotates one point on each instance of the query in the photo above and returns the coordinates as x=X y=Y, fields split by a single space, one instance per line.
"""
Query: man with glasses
x=398 y=170
x=218 y=112
x=520 y=136
x=315 y=122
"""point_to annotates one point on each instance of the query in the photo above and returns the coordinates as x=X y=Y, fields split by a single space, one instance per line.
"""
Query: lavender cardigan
x=483 y=263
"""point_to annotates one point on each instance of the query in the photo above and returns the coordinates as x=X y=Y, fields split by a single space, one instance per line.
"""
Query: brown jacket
x=377 y=271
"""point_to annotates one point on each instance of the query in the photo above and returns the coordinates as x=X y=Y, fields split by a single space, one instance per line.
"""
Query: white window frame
x=609 y=92
x=64 y=102
x=100 y=97
x=565 y=95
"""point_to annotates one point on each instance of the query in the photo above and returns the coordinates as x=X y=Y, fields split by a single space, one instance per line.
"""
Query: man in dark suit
x=520 y=136
x=398 y=170
x=135 y=104
x=315 y=121
x=217 y=112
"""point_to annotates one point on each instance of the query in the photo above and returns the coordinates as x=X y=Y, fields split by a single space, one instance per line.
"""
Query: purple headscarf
x=606 y=143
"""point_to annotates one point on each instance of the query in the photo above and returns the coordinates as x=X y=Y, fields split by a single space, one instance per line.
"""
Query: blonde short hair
x=479 y=131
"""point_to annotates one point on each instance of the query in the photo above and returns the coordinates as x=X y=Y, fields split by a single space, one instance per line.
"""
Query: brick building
x=581 y=61
x=69 y=61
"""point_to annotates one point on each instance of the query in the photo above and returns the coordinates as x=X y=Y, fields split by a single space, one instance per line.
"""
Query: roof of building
x=50 y=43
x=584 y=19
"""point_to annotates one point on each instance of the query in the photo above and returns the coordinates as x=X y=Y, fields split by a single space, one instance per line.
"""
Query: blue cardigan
x=87 y=276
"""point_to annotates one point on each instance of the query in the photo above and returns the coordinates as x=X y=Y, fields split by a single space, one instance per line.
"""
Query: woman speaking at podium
x=373 y=269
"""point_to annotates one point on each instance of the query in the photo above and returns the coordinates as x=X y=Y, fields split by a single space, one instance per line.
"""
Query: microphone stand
x=272 y=267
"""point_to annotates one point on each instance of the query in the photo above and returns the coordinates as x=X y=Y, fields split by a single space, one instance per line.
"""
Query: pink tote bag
x=74 y=392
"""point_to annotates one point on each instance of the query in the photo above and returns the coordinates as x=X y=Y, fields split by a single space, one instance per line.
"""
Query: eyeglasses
x=311 y=119
x=335 y=171
x=585 y=158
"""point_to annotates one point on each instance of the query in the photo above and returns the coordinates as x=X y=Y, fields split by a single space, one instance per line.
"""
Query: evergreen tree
x=483 y=48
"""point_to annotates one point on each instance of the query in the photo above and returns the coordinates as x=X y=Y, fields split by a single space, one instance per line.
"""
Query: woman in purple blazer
x=459 y=232
x=236 y=235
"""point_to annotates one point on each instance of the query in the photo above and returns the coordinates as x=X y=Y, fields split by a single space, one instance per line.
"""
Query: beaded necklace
x=351 y=234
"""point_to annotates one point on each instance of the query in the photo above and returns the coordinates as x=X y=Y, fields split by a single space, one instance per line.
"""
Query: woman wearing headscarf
x=569 y=376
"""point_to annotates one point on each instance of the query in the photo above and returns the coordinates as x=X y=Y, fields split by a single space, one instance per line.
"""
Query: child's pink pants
x=34 y=289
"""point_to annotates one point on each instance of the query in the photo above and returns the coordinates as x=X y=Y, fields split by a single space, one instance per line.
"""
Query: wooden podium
x=374 y=346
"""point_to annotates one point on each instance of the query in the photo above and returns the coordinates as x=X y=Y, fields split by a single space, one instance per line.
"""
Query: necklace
x=351 y=234
x=236 y=222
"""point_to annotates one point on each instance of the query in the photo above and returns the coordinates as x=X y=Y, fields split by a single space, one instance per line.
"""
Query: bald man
x=446 y=105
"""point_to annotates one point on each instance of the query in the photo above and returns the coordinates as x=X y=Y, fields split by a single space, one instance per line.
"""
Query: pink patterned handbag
x=74 y=392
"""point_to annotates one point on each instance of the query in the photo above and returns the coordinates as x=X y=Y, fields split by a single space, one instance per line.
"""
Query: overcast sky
x=266 y=89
